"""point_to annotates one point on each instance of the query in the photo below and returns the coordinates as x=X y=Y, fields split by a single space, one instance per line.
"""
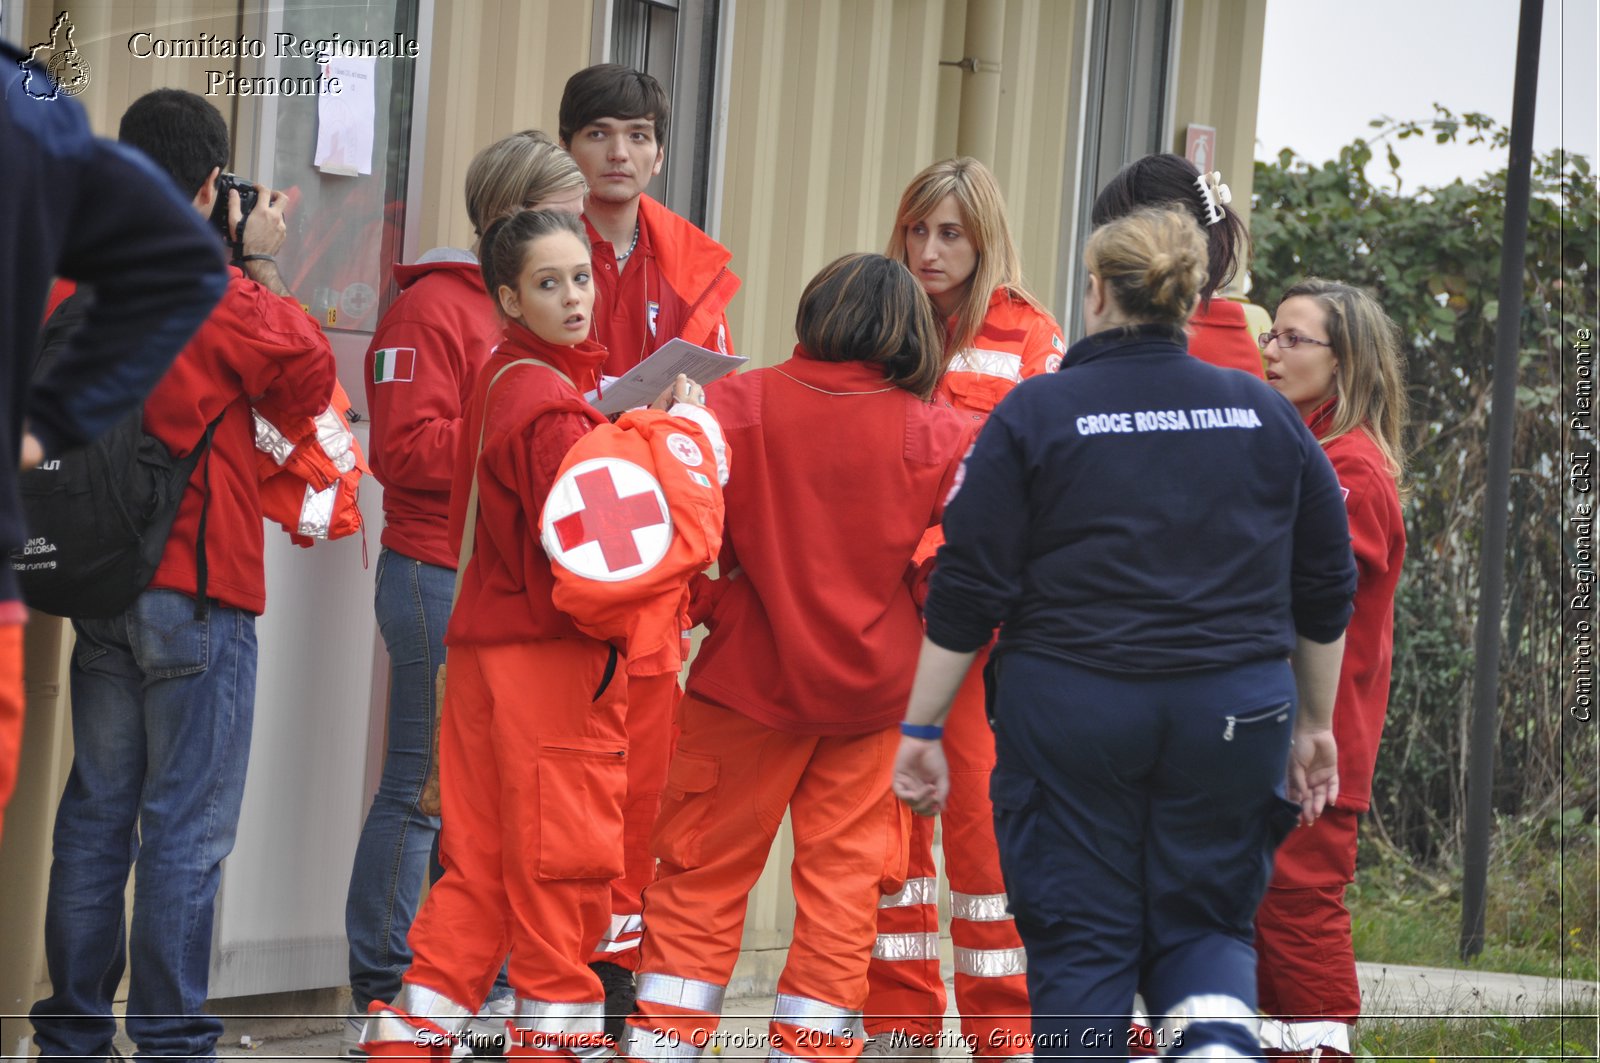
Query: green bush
x=1432 y=257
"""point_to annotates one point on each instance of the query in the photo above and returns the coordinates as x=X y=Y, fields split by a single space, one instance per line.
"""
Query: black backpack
x=98 y=517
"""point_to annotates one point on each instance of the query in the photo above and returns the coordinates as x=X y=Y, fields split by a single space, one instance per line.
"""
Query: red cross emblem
x=618 y=508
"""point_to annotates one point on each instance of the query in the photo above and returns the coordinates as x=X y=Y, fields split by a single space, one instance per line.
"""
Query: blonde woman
x=1334 y=353
x=1153 y=536
x=951 y=232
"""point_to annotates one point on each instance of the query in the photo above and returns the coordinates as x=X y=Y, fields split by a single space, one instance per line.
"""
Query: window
x=345 y=229
x=675 y=42
x=1125 y=114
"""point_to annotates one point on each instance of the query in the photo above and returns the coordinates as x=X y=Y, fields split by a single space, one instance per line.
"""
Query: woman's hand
x=921 y=775
x=1313 y=771
x=682 y=390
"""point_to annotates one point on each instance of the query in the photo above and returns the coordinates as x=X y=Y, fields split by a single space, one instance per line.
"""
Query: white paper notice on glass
x=346 y=119
x=644 y=383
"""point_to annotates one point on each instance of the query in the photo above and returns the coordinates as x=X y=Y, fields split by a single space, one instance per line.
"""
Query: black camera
x=219 y=212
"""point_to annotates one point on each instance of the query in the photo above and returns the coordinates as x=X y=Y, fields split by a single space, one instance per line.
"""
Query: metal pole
x=1486 y=676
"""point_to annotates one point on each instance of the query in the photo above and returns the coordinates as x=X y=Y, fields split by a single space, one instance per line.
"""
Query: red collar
x=581 y=362
x=834 y=376
x=1321 y=417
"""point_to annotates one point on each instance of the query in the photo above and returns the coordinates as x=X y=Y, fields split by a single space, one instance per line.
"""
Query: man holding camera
x=163 y=694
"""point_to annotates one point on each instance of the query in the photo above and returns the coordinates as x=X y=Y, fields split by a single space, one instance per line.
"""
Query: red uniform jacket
x=675 y=285
x=532 y=418
x=625 y=551
x=1015 y=341
x=1378 y=538
x=818 y=633
x=1220 y=335
x=440 y=331
x=310 y=470
x=254 y=344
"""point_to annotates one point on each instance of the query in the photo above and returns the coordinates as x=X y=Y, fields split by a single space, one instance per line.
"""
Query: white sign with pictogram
x=606 y=519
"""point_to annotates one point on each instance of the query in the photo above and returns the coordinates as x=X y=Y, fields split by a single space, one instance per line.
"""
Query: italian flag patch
x=393 y=363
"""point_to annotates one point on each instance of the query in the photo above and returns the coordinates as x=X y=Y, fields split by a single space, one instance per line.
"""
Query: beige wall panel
x=951 y=47
x=499 y=67
x=1219 y=83
x=25 y=852
x=833 y=108
x=1039 y=95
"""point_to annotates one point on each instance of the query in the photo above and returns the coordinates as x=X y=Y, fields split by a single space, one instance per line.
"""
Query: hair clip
x=1213 y=195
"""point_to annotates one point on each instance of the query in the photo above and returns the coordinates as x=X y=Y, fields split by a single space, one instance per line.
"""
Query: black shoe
x=621 y=998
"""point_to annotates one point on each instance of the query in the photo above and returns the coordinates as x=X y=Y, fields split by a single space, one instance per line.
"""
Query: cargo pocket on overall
x=897 y=847
x=1019 y=826
x=581 y=786
x=686 y=804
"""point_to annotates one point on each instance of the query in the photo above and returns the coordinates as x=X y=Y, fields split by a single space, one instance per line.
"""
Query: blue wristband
x=930 y=731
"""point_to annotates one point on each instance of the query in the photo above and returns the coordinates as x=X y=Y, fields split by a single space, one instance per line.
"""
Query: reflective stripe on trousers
x=622 y=934
x=991 y=963
x=551 y=1026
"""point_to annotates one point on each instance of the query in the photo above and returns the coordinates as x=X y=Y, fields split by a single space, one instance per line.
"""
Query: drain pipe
x=979 y=123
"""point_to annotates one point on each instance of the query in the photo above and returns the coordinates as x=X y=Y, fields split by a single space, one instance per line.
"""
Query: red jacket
x=818 y=633
x=1016 y=341
x=675 y=285
x=254 y=344
x=1378 y=539
x=310 y=470
x=532 y=419
x=1220 y=335
x=441 y=329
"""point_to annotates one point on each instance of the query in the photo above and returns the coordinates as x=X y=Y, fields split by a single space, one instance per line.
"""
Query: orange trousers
x=652 y=706
x=907 y=990
x=13 y=698
x=532 y=772
x=730 y=781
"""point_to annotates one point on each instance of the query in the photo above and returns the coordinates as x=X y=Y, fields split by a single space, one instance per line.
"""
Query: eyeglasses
x=1288 y=340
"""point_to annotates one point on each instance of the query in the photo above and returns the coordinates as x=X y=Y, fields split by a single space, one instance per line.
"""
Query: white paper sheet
x=644 y=383
x=346 y=120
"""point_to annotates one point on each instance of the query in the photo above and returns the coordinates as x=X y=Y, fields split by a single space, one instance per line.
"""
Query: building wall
x=498 y=67
x=839 y=104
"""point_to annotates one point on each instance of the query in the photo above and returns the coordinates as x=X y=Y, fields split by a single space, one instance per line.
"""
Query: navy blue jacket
x=77 y=206
x=1142 y=511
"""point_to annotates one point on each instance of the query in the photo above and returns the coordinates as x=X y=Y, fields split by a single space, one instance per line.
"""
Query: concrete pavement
x=1387 y=990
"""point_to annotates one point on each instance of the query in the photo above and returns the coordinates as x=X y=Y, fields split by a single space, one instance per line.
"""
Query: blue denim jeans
x=413 y=606
x=162 y=705
x=412 y=603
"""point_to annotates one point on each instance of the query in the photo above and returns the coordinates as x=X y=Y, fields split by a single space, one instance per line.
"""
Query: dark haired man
x=658 y=278
x=82 y=207
x=163 y=695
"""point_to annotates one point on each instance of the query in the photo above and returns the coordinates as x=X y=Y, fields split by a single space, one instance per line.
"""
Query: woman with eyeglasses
x=1334 y=353
x=1217 y=330
x=1154 y=537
